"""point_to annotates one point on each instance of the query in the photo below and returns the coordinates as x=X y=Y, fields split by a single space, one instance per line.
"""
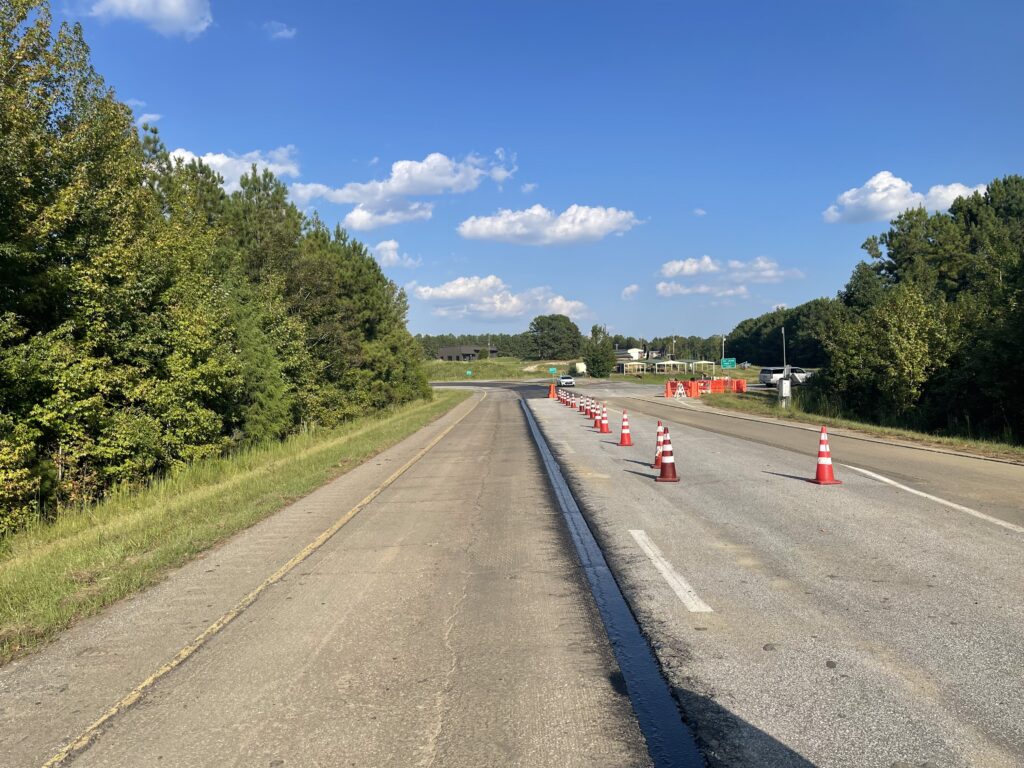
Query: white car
x=566 y=381
x=770 y=376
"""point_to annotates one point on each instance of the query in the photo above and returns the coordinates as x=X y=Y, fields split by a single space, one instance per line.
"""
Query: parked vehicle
x=566 y=381
x=770 y=376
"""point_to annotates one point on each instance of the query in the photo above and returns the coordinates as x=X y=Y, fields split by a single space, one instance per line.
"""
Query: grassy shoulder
x=766 y=404
x=500 y=368
x=52 y=575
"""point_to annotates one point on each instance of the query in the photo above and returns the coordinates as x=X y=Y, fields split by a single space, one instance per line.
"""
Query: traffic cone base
x=824 y=474
x=668 y=462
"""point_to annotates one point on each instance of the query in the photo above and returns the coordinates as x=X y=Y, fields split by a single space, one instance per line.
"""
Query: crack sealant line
x=670 y=742
x=86 y=738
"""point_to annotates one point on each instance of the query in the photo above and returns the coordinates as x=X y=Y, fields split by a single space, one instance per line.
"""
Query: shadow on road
x=791 y=477
x=728 y=741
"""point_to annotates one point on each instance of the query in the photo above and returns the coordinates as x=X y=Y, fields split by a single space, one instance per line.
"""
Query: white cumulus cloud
x=689 y=267
x=386 y=201
x=699 y=212
x=886 y=195
x=148 y=118
x=278 y=30
x=672 y=288
x=362 y=217
x=630 y=291
x=490 y=298
x=539 y=226
x=760 y=270
x=168 y=17
x=528 y=187
x=386 y=252
x=281 y=162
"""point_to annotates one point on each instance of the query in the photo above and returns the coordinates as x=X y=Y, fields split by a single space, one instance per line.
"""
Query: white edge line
x=950 y=504
x=683 y=590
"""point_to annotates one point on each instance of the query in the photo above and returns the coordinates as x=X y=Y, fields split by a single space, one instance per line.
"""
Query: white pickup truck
x=770 y=376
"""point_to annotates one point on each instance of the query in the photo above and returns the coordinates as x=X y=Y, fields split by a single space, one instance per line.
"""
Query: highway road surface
x=449 y=620
x=448 y=624
x=852 y=625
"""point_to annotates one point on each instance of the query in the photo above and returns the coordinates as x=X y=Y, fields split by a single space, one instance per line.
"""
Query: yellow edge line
x=90 y=733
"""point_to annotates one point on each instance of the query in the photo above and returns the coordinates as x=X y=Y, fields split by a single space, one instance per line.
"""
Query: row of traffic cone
x=664 y=459
x=590 y=408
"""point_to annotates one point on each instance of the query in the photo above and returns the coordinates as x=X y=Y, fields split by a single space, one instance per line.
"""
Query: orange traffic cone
x=824 y=474
x=583 y=404
x=626 y=439
x=604 y=420
x=551 y=392
x=658 y=447
x=589 y=412
x=597 y=416
x=668 y=462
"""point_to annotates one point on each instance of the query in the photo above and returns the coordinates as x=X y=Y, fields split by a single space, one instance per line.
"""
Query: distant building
x=464 y=352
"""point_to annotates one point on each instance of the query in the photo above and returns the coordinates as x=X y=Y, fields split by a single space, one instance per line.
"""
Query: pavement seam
x=86 y=738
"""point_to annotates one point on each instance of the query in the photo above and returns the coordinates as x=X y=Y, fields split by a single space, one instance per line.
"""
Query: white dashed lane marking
x=683 y=590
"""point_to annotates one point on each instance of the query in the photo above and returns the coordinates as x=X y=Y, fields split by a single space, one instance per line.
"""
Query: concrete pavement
x=854 y=625
x=447 y=624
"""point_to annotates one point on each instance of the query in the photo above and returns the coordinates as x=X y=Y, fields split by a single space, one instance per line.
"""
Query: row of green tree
x=928 y=332
x=148 y=319
x=549 y=337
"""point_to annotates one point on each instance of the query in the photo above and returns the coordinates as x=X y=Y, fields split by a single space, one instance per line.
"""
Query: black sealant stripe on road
x=669 y=741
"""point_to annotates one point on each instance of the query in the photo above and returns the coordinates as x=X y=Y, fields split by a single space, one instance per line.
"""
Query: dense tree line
x=148 y=319
x=549 y=337
x=759 y=339
x=507 y=344
x=930 y=331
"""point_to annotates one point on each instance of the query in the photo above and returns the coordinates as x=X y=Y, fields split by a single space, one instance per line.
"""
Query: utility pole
x=783 y=346
x=723 y=346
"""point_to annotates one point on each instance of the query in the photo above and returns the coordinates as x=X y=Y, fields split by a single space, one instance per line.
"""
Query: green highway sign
x=469 y=373
x=728 y=362
x=552 y=370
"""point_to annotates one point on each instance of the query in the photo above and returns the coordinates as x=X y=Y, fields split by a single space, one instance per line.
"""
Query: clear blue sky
x=552 y=154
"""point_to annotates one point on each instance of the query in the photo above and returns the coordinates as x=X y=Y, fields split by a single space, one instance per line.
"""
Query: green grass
x=53 y=574
x=495 y=368
x=766 y=404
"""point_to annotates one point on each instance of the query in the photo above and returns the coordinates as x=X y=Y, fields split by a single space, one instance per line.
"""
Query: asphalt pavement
x=448 y=623
x=801 y=625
